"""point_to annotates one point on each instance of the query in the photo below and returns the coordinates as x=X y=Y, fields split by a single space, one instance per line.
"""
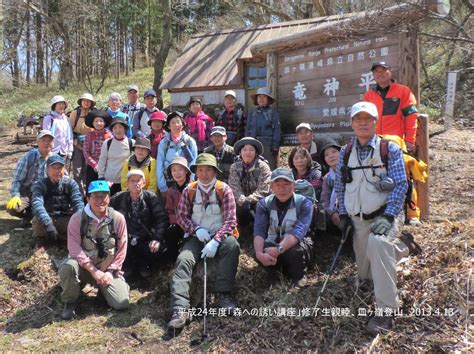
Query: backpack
x=306 y=189
x=299 y=200
x=219 y=187
x=187 y=143
x=85 y=224
x=130 y=144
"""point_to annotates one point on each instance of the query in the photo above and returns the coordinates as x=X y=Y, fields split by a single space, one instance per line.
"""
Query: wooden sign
x=319 y=84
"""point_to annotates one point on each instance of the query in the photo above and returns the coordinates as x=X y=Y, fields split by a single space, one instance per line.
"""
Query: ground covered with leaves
x=434 y=288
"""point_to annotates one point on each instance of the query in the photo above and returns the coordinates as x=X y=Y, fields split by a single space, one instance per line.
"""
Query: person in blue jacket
x=264 y=125
x=175 y=143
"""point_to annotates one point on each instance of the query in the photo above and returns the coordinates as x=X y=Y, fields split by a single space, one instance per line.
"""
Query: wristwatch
x=280 y=249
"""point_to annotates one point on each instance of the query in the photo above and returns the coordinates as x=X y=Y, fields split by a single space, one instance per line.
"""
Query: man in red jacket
x=398 y=115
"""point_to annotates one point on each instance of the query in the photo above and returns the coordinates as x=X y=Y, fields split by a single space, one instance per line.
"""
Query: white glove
x=210 y=249
x=202 y=234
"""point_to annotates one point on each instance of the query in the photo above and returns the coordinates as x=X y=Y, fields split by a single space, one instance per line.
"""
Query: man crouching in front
x=97 y=244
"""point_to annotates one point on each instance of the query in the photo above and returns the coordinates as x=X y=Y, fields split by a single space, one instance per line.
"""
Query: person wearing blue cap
x=97 y=245
x=141 y=128
x=224 y=153
x=54 y=199
x=282 y=221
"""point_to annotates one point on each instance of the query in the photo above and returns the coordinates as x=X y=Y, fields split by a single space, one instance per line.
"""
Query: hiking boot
x=300 y=283
x=68 y=311
x=380 y=324
x=226 y=301
x=408 y=239
x=145 y=272
x=179 y=318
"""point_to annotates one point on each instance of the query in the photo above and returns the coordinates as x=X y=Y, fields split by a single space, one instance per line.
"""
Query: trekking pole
x=333 y=265
x=204 y=322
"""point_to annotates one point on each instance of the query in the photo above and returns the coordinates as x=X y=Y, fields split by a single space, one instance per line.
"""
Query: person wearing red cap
x=156 y=122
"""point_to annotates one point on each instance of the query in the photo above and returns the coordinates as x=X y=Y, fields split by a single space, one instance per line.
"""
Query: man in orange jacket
x=398 y=115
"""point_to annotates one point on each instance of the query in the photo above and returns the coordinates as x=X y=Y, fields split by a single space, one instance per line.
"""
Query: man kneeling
x=281 y=222
x=97 y=244
x=206 y=212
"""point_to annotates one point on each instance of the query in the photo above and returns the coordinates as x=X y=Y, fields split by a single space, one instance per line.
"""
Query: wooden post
x=272 y=73
x=422 y=142
x=408 y=64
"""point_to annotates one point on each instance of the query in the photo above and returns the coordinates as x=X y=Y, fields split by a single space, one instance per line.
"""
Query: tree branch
x=456 y=39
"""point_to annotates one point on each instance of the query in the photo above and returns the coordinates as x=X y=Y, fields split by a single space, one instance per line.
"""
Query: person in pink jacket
x=198 y=124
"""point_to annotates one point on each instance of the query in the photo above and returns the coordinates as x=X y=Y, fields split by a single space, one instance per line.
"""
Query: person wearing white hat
x=57 y=123
x=79 y=129
x=232 y=118
x=371 y=193
x=264 y=125
x=147 y=224
x=31 y=167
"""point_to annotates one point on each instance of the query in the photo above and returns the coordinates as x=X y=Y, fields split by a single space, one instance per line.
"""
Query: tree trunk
x=28 y=45
x=162 y=54
x=39 y=51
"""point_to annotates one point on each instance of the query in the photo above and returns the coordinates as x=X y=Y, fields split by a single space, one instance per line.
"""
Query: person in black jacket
x=147 y=223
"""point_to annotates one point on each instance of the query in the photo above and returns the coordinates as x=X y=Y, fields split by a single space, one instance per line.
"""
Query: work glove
x=202 y=234
x=386 y=184
x=210 y=249
x=52 y=232
x=382 y=224
x=346 y=226
x=14 y=203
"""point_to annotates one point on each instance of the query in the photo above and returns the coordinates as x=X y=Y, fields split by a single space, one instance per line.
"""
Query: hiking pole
x=344 y=237
x=204 y=322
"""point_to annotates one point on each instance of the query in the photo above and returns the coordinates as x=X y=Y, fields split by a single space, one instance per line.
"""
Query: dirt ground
x=435 y=287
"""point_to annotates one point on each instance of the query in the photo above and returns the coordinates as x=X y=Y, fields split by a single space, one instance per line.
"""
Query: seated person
x=97 y=244
x=249 y=178
x=224 y=153
x=281 y=223
x=141 y=159
x=206 y=212
x=54 y=199
x=303 y=167
x=181 y=175
x=31 y=167
x=146 y=224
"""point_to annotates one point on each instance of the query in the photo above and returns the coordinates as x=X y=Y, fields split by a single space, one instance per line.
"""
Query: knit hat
x=248 y=141
x=205 y=159
x=89 y=121
x=194 y=99
x=143 y=143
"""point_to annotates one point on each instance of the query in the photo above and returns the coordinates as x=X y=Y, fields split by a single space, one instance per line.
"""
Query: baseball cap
x=44 y=133
x=218 y=130
x=132 y=87
x=230 y=93
x=135 y=172
x=149 y=92
x=367 y=107
x=379 y=63
x=98 y=186
x=284 y=173
x=53 y=159
x=304 y=125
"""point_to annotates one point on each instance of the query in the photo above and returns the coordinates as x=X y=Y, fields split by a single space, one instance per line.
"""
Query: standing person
x=249 y=178
x=371 y=196
x=181 y=175
x=175 y=143
x=113 y=155
x=156 y=123
x=303 y=167
x=232 y=118
x=114 y=102
x=134 y=105
x=54 y=199
x=97 y=245
x=141 y=128
x=57 y=123
x=264 y=125
x=282 y=221
x=141 y=159
x=99 y=121
x=30 y=168
x=79 y=128
x=224 y=153
x=206 y=212
x=147 y=225
x=198 y=124
x=398 y=115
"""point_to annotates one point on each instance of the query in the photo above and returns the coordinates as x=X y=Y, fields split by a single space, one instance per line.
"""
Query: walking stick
x=204 y=322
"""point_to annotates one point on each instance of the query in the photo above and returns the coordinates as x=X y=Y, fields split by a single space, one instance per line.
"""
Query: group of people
x=179 y=187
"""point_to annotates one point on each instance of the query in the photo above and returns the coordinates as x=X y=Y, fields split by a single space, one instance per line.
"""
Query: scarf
x=177 y=139
x=206 y=188
x=132 y=161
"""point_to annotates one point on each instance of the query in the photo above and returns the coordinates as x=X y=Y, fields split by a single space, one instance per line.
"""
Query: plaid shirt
x=395 y=170
x=22 y=170
x=227 y=205
x=226 y=119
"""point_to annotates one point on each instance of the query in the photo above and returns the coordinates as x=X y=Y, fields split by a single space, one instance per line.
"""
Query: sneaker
x=380 y=324
x=68 y=311
x=226 y=301
x=179 y=318
x=414 y=222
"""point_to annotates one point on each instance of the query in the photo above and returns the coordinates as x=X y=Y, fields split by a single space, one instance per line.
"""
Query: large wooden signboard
x=319 y=84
